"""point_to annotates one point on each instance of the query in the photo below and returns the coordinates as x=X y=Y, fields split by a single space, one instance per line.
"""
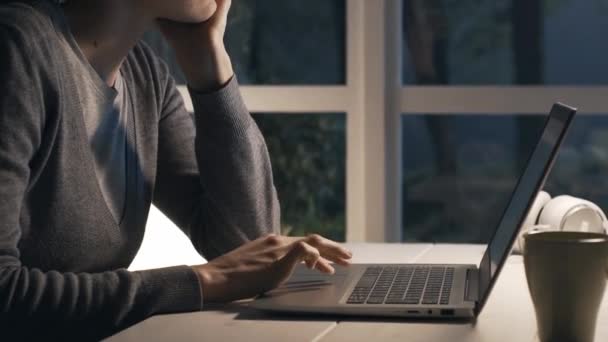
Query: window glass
x=582 y=165
x=308 y=152
x=473 y=42
x=290 y=42
x=459 y=172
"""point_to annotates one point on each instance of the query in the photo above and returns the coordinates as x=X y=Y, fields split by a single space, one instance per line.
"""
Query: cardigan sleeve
x=60 y=305
x=214 y=175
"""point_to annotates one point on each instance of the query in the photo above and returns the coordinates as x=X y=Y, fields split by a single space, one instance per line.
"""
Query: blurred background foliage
x=459 y=169
x=308 y=157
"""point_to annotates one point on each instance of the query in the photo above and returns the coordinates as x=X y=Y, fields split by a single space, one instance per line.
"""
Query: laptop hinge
x=471 y=292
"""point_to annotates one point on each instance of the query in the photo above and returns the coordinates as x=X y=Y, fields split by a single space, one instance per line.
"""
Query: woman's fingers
x=324 y=265
x=330 y=249
x=223 y=7
x=342 y=262
x=221 y=15
x=299 y=251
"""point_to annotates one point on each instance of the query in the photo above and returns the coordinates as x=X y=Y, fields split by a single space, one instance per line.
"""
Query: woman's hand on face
x=200 y=49
x=266 y=263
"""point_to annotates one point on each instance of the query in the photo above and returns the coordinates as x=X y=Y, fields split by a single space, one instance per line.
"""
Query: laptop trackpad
x=309 y=287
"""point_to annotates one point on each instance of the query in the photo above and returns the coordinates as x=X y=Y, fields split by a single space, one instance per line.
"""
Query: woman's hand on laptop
x=266 y=263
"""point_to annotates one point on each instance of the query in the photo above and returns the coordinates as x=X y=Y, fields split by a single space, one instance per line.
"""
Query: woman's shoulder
x=27 y=24
x=29 y=16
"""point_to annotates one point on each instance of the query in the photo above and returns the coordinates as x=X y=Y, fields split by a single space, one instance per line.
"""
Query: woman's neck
x=106 y=30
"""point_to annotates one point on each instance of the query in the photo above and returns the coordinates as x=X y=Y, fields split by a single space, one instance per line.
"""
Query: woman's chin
x=195 y=15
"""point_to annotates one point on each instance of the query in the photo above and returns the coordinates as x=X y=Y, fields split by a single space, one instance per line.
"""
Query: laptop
x=425 y=291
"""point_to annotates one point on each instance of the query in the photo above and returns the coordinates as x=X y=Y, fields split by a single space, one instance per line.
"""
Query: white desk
x=508 y=316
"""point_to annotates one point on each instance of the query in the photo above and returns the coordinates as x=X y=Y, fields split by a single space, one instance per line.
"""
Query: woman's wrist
x=210 y=282
x=212 y=72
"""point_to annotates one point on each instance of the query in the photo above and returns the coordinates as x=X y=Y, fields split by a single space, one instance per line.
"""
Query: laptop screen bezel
x=563 y=114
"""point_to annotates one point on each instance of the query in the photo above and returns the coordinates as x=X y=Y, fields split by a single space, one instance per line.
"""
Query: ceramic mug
x=566 y=274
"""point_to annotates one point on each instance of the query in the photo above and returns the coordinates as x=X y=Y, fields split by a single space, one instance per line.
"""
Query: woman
x=92 y=131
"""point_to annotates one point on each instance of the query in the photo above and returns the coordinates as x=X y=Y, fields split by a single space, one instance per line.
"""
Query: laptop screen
x=530 y=183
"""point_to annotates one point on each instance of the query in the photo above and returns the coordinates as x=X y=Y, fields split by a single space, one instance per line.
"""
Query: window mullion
x=500 y=99
x=373 y=125
x=393 y=68
x=356 y=164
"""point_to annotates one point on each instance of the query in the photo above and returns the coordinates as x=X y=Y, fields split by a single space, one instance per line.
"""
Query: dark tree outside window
x=459 y=170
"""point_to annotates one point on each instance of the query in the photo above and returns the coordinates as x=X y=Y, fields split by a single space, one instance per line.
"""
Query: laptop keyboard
x=411 y=285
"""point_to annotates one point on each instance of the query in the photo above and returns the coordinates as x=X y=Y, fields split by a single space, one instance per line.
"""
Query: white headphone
x=563 y=213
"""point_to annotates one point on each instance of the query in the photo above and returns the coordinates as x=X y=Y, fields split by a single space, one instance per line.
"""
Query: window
x=308 y=153
x=459 y=172
x=276 y=46
x=498 y=61
x=505 y=42
x=582 y=165
x=393 y=97
x=280 y=42
x=288 y=42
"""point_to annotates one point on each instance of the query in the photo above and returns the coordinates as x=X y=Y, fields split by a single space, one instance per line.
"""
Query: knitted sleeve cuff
x=171 y=290
x=223 y=111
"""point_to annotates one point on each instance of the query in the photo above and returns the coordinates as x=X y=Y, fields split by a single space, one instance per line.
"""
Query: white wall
x=164 y=245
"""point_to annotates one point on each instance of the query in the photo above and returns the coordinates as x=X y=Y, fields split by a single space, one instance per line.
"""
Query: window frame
x=374 y=85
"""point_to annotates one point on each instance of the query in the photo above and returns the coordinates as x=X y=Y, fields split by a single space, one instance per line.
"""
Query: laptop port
x=447 y=312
